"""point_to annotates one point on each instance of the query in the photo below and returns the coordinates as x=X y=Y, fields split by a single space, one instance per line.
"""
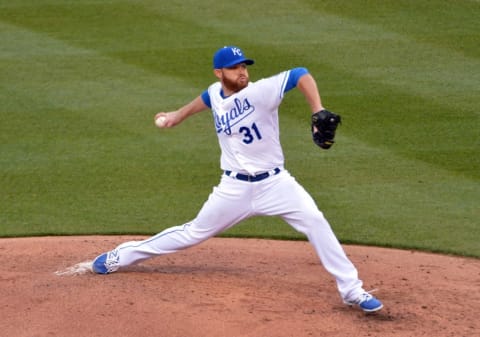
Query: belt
x=258 y=177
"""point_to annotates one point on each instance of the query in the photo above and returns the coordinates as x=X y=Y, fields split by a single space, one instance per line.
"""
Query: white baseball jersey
x=247 y=123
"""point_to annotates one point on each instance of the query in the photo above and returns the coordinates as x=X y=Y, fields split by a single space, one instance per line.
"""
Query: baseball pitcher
x=254 y=180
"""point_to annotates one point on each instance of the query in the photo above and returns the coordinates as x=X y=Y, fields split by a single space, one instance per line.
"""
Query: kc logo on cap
x=236 y=51
x=229 y=56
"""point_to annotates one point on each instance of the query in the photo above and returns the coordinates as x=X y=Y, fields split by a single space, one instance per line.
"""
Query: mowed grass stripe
x=81 y=135
x=398 y=198
x=101 y=96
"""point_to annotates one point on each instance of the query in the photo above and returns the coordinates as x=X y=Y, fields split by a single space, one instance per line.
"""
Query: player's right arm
x=173 y=118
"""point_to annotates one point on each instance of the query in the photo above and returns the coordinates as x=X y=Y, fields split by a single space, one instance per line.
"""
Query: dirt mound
x=230 y=287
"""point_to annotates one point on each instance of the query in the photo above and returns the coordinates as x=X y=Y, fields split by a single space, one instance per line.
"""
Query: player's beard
x=235 y=85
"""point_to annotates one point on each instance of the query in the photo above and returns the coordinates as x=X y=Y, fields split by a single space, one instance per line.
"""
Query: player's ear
x=218 y=73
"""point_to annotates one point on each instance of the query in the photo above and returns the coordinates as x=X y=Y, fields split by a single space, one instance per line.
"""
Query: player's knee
x=198 y=234
x=315 y=222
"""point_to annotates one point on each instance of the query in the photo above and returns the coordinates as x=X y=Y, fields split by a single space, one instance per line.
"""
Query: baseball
x=160 y=121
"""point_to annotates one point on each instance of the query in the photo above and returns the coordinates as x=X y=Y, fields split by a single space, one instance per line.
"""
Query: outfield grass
x=80 y=82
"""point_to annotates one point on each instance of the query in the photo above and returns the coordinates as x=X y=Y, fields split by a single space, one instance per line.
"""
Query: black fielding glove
x=326 y=123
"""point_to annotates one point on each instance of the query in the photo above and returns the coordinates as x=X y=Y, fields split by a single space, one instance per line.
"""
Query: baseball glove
x=324 y=124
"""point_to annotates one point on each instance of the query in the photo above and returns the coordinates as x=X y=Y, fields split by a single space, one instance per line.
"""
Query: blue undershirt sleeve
x=206 y=98
x=295 y=75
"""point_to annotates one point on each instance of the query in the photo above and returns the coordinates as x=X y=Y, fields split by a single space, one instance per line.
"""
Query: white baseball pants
x=233 y=201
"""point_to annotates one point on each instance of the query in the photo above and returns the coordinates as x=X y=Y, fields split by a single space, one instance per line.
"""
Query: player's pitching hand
x=161 y=120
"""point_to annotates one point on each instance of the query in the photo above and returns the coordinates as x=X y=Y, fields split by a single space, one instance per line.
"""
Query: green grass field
x=80 y=82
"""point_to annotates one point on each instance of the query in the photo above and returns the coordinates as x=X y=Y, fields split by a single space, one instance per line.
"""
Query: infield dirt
x=230 y=287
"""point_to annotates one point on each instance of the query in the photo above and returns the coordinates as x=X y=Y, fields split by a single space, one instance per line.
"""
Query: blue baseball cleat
x=106 y=263
x=366 y=302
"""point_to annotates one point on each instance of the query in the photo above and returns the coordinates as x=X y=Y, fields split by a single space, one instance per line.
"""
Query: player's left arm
x=308 y=86
x=323 y=122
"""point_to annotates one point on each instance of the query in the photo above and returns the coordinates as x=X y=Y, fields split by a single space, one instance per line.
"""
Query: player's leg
x=224 y=208
x=286 y=198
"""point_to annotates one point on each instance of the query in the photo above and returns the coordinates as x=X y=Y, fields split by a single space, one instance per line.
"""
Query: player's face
x=234 y=78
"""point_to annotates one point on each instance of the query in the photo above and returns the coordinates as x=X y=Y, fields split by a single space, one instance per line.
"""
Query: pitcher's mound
x=229 y=287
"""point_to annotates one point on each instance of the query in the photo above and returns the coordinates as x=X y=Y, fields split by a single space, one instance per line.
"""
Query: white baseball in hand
x=160 y=121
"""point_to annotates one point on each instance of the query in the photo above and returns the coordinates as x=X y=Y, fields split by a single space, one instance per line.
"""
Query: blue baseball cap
x=229 y=56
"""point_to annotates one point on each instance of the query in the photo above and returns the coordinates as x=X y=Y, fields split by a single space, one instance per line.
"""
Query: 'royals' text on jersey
x=247 y=122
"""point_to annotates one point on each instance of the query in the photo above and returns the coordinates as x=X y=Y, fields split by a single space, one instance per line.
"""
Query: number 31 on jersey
x=250 y=133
